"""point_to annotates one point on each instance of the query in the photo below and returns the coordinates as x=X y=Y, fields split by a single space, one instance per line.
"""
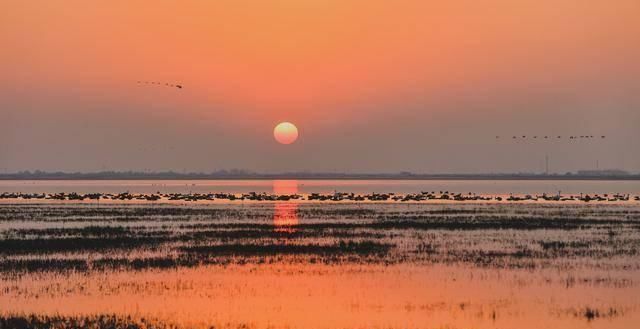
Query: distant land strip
x=247 y=175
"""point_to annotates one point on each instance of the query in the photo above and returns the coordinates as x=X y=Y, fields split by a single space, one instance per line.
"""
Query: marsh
x=285 y=264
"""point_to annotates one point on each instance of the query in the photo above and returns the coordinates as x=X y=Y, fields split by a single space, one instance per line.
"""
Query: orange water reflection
x=285 y=213
x=326 y=296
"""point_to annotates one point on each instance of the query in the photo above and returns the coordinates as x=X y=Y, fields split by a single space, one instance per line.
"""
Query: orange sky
x=324 y=65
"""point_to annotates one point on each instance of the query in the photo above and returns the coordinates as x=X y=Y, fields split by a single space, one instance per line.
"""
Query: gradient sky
x=373 y=86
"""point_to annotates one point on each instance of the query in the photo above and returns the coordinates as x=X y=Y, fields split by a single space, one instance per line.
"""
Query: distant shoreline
x=301 y=176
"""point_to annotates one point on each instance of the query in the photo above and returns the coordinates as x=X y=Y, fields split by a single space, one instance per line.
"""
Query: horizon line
x=246 y=174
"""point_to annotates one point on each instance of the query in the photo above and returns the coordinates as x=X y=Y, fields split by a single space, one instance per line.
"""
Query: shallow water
x=322 y=186
x=315 y=265
x=328 y=296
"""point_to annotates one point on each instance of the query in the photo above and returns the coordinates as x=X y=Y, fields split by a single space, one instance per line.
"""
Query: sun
x=285 y=133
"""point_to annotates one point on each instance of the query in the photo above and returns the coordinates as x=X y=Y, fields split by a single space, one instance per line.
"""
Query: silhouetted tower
x=546 y=164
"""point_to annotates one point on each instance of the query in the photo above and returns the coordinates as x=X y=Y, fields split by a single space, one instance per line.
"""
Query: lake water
x=322 y=186
x=319 y=265
x=289 y=264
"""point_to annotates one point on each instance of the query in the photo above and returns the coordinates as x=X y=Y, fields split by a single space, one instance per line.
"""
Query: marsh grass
x=340 y=248
x=41 y=237
x=593 y=313
x=101 y=321
x=120 y=249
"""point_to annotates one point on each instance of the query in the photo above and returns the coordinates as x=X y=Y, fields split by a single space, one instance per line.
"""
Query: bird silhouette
x=160 y=83
x=570 y=137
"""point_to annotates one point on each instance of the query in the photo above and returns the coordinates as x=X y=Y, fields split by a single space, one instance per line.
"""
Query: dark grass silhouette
x=340 y=248
x=90 y=238
x=102 y=321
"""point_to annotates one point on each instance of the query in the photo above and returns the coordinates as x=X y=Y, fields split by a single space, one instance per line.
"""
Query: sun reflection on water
x=285 y=213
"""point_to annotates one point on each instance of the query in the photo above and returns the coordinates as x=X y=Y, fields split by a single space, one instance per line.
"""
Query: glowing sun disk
x=285 y=133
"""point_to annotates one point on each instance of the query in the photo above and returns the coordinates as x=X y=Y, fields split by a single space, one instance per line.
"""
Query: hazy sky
x=373 y=86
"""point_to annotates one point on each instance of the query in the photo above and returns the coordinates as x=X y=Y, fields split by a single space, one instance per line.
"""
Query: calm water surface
x=322 y=186
x=313 y=265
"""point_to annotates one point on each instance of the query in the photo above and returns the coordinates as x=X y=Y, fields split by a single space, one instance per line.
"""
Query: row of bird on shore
x=336 y=196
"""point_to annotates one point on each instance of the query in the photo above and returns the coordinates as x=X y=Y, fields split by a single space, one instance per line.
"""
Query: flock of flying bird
x=557 y=137
x=166 y=84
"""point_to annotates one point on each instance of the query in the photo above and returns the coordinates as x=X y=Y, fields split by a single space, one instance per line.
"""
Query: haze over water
x=489 y=187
